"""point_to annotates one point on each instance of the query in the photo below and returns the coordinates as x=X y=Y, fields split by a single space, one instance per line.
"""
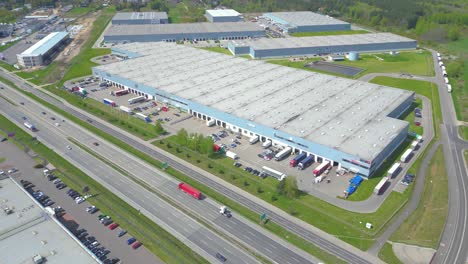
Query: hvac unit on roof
x=319 y=120
x=366 y=130
x=374 y=145
x=323 y=133
x=342 y=135
x=359 y=136
x=302 y=131
x=339 y=122
x=316 y=109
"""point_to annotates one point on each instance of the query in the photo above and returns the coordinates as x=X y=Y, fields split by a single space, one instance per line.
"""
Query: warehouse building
x=178 y=32
x=139 y=18
x=351 y=123
x=44 y=51
x=223 y=15
x=306 y=21
x=320 y=45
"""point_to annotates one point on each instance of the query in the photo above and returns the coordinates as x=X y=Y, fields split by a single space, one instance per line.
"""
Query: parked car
x=220 y=257
x=122 y=233
x=113 y=226
x=131 y=240
x=136 y=245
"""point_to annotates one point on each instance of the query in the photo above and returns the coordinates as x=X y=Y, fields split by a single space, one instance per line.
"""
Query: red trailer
x=321 y=168
x=190 y=190
x=216 y=148
x=121 y=92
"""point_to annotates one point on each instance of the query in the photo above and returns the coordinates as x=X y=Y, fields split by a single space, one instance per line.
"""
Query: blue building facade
x=249 y=128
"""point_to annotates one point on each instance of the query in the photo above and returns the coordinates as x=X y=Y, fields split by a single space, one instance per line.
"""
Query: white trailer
x=441 y=64
x=136 y=99
x=444 y=73
x=414 y=144
x=210 y=122
x=282 y=154
x=405 y=156
x=253 y=140
x=273 y=173
x=393 y=169
x=266 y=144
x=231 y=155
x=449 y=88
x=438 y=54
x=380 y=185
x=443 y=68
x=446 y=80
x=143 y=117
x=126 y=109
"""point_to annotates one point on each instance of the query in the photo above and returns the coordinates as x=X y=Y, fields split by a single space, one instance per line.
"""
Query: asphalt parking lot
x=334 y=68
x=107 y=238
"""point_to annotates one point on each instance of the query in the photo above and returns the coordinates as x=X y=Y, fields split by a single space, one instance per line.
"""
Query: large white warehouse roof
x=305 y=18
x=347 y=115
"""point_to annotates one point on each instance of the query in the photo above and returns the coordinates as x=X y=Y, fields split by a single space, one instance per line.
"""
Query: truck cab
x=224 y=211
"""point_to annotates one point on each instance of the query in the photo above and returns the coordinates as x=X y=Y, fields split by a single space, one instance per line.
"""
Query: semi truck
x=297 y=159
x=446 y=80
x=282 y=154
x=253 y=140
x=126 y=109
x=449 y=88
x=137 y=99
x=30 y=126
x=210 y=122
x=190 y=190
x=109 y=102
x=143 y=117
x=266 y=144
x=273 y=173
x=321 y=168
x=380 y=185
x=231 y=155
x=391 y=172
x=121 y=92
x=405 y=156
x=306 y=162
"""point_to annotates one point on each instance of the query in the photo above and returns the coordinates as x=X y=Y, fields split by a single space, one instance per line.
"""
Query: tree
x=454 y=33
x=182 y=136
x=158 y=128
x=288 y=187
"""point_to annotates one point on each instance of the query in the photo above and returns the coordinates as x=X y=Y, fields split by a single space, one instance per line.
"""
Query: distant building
x=223 y=15
x=44 y=50
x=306 y=21
x=178 y=32
x=134 y=18
x=5 y=29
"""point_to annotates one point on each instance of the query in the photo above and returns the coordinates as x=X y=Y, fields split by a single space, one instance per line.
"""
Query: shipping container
x=321 y=168
x=253 y=140
x=297 y=159
x=121 y=92
x=136 y=99
x=306 y=162
x=190 y=190
x=266 y=144
x=211 y=122
x=405 y=156
x=143 y=117
x=231 y=155
x=283 y=154
x=393 y=169
x=126 y=109
x=109 y=102
x=273 y=173
x=380 y=185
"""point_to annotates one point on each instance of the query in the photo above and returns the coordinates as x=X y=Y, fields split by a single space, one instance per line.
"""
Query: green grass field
x=156 y=239
x=387 y=255
x=425 y=225
x=2 y=159
x=7 y=45
x=7 y=66
x=78 y=11
x=218 y=49
x=463 y=131
x=328 y=33
x=427 y=89
x=417 y=63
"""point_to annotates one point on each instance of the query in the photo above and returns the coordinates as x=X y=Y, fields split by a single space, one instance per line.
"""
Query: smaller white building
x=223 y=15
x=44 y=50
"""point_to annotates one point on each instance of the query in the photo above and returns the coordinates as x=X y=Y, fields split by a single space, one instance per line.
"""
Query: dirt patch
x=409 y=254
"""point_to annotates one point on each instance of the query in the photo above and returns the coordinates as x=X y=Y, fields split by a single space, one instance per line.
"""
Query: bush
x=38 y=166
x=198 y=161
x=246 y=183
x=210 y=166
x=259 y=189
x=234 y=177
x=274 y=198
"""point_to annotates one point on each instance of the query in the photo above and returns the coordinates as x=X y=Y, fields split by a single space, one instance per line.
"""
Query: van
x=253 y=140
x=266 y=144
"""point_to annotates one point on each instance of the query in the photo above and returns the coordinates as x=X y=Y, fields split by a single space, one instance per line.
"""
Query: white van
x=266 y=144
x=253 y=140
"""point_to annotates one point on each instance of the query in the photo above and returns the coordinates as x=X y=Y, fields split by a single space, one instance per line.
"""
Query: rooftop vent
x=342 y=135
x=367 y=130
x=323 y=133
x=330 y=128
x=34 y=232
x=374 y=145
x=316 y=109
x=359 y=136
x=319 y=120
x=43 y=242
x=302 y=131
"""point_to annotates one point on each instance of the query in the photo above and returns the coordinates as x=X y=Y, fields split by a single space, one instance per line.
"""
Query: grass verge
x=463 y=131
x=387 y=255
x=425 y=225
x=218 y=49
x=155 y=239
x=328 y=33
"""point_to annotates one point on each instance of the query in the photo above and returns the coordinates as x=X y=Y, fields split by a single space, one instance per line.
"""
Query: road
x=176 y=222
x=290 y=223
x=252 y=236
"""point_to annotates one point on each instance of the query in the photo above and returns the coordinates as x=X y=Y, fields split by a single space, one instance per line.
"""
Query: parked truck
x=253 y=140
x=30 y=126
x=109 y=102
x=190 y=190
x=306 y=162
x=126 y=109
x=143 y=117
x=297 y=159
x=137 y=99
x=273 y=173
x=380 y=185
x=283 y=154
x=391 y=172
x=449 y=88
x=231 y=155
x=266 y=144
x=210 y=122
x=120 y=92
x=321 y=168
x=405 y=156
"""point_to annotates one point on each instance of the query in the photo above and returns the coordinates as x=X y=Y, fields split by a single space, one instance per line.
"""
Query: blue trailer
x=295 y=161
x=306 y=162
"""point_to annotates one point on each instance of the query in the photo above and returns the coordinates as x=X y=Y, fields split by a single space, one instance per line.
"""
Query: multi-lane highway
x=194 y=234
x=299 y=228
x=252 y=236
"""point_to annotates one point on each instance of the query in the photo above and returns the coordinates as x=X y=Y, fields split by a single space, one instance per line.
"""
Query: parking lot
x=75 y=217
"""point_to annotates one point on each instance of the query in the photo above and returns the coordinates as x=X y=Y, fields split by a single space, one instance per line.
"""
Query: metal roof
x=305 y=18
x=139 y=15
x=347 y=115
x=45 y=44
x=223 y=13
x=205 y=27
x=320 y=41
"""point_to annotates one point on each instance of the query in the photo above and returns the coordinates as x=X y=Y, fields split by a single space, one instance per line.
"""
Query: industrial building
x=139 y=18
x=5 y=29
x=178 y=32
x=349 y=122
x=44 y=50
x=223 y=15
x=30 y=235
x=305 y=21
x=320 y=45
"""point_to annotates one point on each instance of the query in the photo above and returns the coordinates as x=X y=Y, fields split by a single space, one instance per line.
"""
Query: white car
x=68 y=147
x=90 y=208
x=2 y=172
x=12 y=170
x=79 y=200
